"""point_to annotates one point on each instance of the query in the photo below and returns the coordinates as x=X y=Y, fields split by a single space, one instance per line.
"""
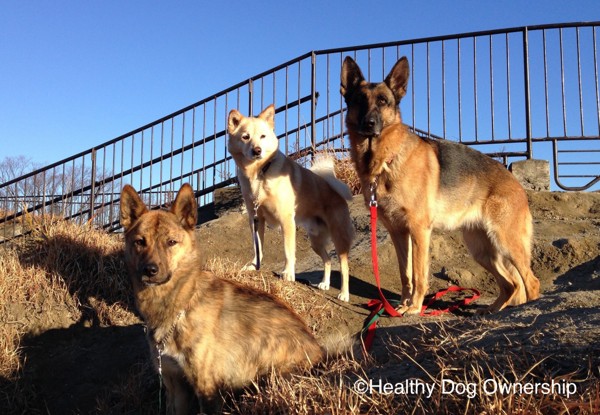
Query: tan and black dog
x=422 y=184
x=205 y=333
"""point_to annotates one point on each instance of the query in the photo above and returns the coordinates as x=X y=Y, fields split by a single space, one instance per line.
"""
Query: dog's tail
x=337 y=344
x=324 y=166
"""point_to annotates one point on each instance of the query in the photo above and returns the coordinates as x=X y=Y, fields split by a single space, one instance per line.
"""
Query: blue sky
x=77 y=73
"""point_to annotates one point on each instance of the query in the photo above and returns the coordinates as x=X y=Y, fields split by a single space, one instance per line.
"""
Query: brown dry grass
x=66 y=274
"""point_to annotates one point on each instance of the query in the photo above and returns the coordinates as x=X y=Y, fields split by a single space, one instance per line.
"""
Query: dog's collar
x=266 y=167
x=161 y=343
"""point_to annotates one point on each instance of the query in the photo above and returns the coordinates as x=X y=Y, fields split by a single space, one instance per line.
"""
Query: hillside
x=71 y=341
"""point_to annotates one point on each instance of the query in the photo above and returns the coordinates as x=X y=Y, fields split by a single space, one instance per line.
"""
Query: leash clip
x=372 y=189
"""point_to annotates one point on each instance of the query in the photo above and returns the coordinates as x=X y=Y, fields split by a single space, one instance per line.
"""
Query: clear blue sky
x=77 y=73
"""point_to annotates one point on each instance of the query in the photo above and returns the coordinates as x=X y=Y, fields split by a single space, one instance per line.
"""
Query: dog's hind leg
x=318 y=242
x=484 y=251
x=517 y=247
x=342 y=235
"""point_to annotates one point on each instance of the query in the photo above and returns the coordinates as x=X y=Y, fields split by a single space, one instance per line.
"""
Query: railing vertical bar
x=313 y=105
x=508 y=92
x=141 y=159
x=172 y=143
x=579 y=82
x=492 y=86
x=546 y=88
x=444 y=89
x=160 y=194
x=287 y=100
x=412 y=83
x=427 y=71
x=182 y=146
x=214 y=170
x=562 y=83
x=594 y=45
x=112 y=186
x=527 y=92
x=475 y=102
x=459 y=92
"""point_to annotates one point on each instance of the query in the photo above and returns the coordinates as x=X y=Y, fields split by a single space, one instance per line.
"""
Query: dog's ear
x=350 y=78
x=397 y=79
x=268 y=115
x=132 y=207
x=185 y=207
x=234 y=120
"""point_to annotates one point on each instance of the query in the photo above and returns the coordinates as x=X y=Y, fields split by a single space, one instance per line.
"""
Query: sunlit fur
x=217 y=334
x=424 y=184
x=287 y=195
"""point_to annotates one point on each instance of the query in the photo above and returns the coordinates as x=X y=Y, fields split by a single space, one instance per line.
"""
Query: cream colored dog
x=279 y=191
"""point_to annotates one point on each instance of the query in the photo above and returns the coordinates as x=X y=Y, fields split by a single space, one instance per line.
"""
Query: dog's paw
x=249 y=267
x=413 y=310
x=408 y=309
x=288 y=276
x=344 y=297
x=323 y=286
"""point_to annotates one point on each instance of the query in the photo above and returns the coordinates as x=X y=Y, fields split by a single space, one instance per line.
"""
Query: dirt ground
x=565 y=257
x=72 y=364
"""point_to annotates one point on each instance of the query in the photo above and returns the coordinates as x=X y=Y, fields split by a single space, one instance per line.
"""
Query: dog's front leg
x=288 y=227
x=260 y=234
x=180 y=396
x=403 y=245
x=420 y=239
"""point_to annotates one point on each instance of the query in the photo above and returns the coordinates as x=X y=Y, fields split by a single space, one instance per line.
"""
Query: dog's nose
x=257 y=151
x=151 y=270
x=371 y=122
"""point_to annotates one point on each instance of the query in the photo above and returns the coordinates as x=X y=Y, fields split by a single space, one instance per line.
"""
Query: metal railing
x=513 y=93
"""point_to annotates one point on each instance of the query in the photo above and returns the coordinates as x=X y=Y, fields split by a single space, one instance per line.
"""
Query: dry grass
x=66 y=274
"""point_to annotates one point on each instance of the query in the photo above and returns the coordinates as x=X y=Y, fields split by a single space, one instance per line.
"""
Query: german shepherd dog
x=205 y=333
x=281 y=192
x=422 y=184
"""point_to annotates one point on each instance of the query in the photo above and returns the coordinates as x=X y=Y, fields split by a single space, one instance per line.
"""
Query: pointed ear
x=350 y=78
x=234 y=120
x=132 y=207
x=185 y=207
x=397 y=79
x=268 y=115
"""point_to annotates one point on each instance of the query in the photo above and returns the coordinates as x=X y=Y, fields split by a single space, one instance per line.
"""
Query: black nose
x=371 y=122
x=257 y=151
x=151 y=270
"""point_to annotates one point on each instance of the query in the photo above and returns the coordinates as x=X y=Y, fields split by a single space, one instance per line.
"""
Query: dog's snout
x=257 y=151
x=371 y=124
x=151 y=270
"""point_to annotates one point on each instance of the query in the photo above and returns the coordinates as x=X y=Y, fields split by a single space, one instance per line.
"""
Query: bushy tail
x=324 y=166
x=337 y=344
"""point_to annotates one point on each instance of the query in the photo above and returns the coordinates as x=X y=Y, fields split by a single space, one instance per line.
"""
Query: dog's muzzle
x=150 y=275
x=371 y=125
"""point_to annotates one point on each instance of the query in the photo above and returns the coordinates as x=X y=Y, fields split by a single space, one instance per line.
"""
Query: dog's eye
x=139 y=242
x=171 y=242
x=246 y=137
x=263 y=136
x=381 y=100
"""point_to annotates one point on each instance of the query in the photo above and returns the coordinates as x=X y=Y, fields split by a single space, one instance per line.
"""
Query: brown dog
x=422 y=184
x=205 y=333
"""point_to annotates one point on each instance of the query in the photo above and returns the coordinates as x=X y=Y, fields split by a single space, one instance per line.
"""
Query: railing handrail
x=293 y=61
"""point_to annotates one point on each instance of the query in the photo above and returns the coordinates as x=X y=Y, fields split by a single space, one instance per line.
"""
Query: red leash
x=381 y=305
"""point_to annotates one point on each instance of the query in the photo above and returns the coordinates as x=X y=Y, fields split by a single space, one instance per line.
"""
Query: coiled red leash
x=382 y=305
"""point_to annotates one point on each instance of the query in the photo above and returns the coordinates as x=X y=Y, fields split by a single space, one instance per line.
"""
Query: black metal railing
x=527 y=92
